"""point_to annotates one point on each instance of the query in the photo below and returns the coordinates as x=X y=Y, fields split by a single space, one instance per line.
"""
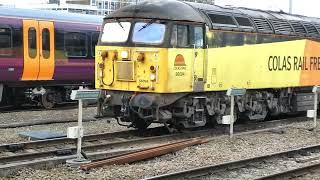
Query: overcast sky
x=303 y=7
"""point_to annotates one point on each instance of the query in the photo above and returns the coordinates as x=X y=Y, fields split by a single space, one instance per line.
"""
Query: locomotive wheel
x=139 y=123
x=48 y=99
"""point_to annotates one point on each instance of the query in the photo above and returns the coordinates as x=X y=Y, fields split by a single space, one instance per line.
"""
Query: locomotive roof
x=254 y=20
x=159 y=9
x=50 y=15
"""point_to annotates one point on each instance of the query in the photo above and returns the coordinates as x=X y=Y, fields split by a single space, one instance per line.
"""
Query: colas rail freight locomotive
x=172 y=62
x=45 y=54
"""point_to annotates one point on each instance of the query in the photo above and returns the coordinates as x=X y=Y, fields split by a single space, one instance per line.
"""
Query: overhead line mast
x=290 y=6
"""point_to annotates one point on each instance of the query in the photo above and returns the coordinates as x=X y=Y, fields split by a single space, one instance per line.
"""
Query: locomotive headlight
x=104 y=54
x=141 y=57
x=153 y=77
x=124 y=55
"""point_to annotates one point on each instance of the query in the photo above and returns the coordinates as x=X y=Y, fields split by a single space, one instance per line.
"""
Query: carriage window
x=94 y=41
x=221 y=19
x=198 y=37
x=5 y=41
x=45 y=43
x=180 y=36
x=75 y=44
x=32 y=40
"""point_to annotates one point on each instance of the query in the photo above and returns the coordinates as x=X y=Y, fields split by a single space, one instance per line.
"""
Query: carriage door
x=198 y=63
x=38 y=45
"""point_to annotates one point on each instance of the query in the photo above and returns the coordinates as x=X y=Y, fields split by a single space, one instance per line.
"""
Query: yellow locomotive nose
x=134 y=69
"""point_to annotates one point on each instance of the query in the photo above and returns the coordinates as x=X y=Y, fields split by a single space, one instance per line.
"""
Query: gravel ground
x=221 y=149
x=11 y=135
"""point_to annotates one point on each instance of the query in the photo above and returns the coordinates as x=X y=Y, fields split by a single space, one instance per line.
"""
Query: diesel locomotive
x=172 y=62
x=45 y=54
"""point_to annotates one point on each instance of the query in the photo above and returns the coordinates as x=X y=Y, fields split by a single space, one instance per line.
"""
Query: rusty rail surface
x=146 y=154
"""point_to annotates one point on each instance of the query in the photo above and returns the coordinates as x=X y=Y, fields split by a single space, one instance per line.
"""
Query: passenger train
x=172 y=62
x=45 y=54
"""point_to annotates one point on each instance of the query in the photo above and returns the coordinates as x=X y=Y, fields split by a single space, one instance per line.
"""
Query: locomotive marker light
x=124 y=54
x=313 y=113
x=77 y=132
x=232 y=92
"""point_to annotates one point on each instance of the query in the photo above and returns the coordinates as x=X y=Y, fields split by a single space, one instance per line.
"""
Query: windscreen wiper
x=147 y=24
x=120 y=24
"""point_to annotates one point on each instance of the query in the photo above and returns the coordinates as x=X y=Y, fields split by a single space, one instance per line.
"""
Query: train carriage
x=172 y=62
x=45 y=54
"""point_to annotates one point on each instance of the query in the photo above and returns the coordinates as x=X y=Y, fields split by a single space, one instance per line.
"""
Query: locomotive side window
x=180 y=36
x=250 y=39
x=198 y=37
x=75 y=44
x=94 y=41
x=32 y=42
x=219 y=39
x=5 y=41
x=46 y=43
x=233 y=39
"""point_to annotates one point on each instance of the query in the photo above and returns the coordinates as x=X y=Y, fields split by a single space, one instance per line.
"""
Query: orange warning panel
x=46 y=50
x=31 y=50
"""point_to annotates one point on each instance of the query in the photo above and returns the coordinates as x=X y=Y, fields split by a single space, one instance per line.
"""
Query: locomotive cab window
x=180 y=36
x=32 y=42
x=148 y=33
x=46 y=43
x=122 y=30
x=75 y=44
x=5 y=41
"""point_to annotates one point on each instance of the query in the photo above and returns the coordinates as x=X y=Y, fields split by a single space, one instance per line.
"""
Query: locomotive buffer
x=77 y=132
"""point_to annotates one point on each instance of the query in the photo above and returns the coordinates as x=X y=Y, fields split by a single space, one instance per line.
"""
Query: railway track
x=65 y=106
x=43 y=122
x=282 y=165
x=299 y=172
x=65 y=146
x=56 y=151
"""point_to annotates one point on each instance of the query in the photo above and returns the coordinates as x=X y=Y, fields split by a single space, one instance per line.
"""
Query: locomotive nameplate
x=316 y=89
x=85 y=94
x=236 y=92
